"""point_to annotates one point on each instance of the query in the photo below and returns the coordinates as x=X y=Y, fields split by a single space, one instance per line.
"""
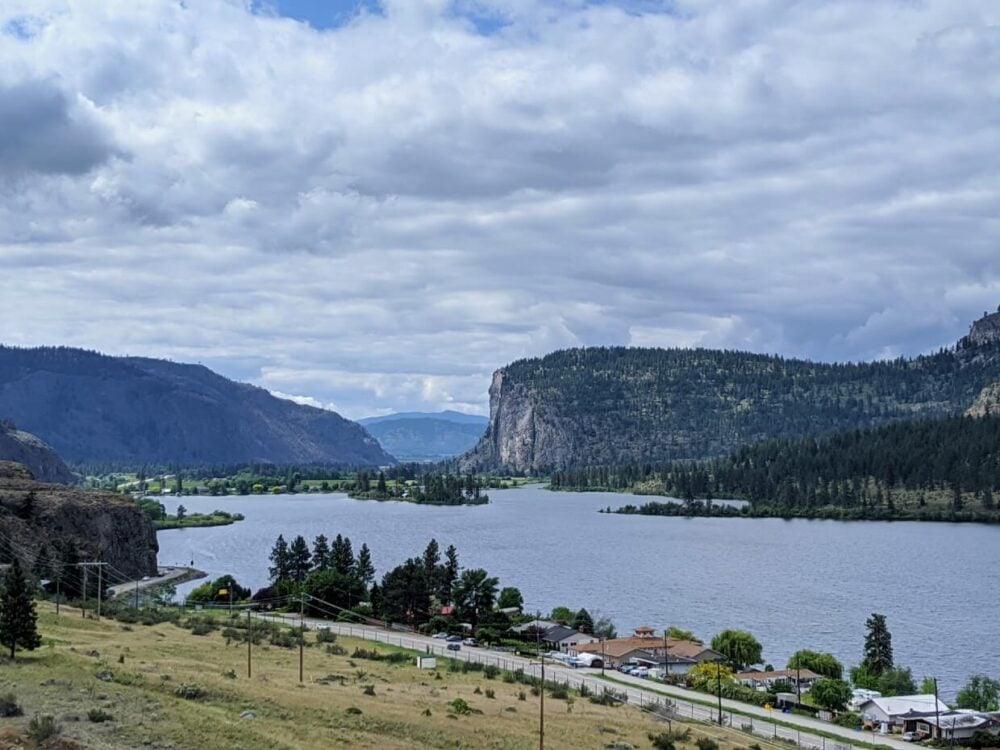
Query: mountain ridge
x=94 y=407
x=620 y=405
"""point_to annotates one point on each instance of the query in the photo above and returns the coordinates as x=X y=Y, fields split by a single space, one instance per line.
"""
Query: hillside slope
x=426 y=437
x=92 y=407
x=27 y=449
x=608 y=406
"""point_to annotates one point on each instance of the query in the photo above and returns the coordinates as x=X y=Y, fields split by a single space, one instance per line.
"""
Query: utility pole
x=83 y=606
x=718 y=688
x=58 y=579
x=100 y=585
x=136 y=607
x=666 y=657
x=249 y=644
x=937 y=711
x=798 y=680
x=541 y=691
x=604 y=656
x=302 y=635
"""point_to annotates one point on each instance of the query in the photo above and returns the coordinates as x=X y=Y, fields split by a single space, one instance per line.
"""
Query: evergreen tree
x=583 y=622
x=299 y=559
x=448 y=575
x=405 y=595
x=381 y=487
x=342 y=555
x=18 y=620
x=321 y=553
x=280 y=569
x=365 y=569
x=878 y=646
x=474 y=594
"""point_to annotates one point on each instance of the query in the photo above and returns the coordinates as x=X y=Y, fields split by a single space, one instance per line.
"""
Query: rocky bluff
x=103 y=526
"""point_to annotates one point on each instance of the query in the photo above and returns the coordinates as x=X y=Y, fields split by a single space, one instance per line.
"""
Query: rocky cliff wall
x=102 y=525
x=988 y=402
x=24 y=448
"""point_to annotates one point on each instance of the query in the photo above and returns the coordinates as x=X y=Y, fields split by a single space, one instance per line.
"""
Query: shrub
x=490 y=693
x=202 y=628
x=559 y=692
x=606 y=698
x=461 y=707
x=190 y=691
x=490 y=672
x=333 y=649
x=707 y=743
x=99 y=715
x=325 y=636
x=369 y=690
x=40 y=728
x=477 y=691
x=230 y=674
x=353 y=711
x=9 y=706
x=522 y=696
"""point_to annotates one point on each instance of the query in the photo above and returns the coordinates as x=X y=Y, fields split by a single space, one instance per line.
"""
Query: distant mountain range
x=617 y=405
x=131 y=410
x=426 y=436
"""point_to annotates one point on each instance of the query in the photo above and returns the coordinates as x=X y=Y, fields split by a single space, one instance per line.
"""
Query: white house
x=888 y=712
x=957 y=726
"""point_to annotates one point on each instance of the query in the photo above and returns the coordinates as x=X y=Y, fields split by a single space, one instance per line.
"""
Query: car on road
x=910 y=737
x=454 y=639
x=470 y=642
x=454 y=646
x=441 y=636
x=627 y=668
x=145 y=578
x=640 y=672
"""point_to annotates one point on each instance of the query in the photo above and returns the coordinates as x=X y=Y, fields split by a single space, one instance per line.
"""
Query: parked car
x=627 y=668
x=640 y=672
x=470 y=642
x=454 y=646
x=442 y=636
x=454 y=639
x=910 y=737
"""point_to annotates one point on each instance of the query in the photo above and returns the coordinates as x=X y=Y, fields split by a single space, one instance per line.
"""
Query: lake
x=793 y=584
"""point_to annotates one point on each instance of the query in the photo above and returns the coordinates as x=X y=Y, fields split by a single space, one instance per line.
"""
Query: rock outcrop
x=101 y=525
x=987 y=403
x=984 y=332
x=131 y=410
x=27 y=449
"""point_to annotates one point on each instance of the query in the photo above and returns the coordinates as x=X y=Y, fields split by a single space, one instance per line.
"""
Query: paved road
x=166 y=574
x=643 y=693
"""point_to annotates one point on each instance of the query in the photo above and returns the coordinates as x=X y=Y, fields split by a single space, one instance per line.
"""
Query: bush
x=368 y=690
x=707 y=743
x=559 y=692
x=99 y=716
x=848 y=720
x=490 y=693
x=190 y=691
x=490 y=672
x=9 y=706
x=461 y=707
x=202 y=628
x=325 y=636
x=41 y=728
x=353 y=711
x=333 y=649
x=606 y=698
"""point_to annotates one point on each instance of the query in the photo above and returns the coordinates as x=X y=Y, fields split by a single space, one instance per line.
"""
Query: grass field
x=137 y=674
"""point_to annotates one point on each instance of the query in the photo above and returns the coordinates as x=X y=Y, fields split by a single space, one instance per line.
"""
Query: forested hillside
x=130 y=410
x=947 y=468
x=607 y=406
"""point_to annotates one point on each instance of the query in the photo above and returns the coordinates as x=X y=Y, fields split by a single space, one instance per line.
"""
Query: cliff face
x=103 y=526
x=618 y=405
x=987 y=403
x=24 y=448
x=91 y=407
x=984 y=332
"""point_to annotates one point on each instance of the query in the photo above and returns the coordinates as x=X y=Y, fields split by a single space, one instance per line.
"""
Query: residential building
x=564 y=637
x=893 y=712
x=797 y=678
x=647 y=647
x=954 y=726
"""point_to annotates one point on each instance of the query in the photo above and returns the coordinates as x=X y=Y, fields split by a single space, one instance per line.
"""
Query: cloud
x=380 y=213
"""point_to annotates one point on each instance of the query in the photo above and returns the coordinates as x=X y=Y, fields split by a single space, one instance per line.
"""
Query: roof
x=961 y=720
x=618 y=647
x=558 y=633
x=542 y=625
x=901 y=705
x=777 y=674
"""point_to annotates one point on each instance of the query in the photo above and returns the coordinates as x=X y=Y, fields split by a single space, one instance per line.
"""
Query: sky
x=371 y=206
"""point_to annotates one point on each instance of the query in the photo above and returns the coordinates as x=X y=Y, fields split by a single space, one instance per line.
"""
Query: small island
x=428 y=489
x=182 y=519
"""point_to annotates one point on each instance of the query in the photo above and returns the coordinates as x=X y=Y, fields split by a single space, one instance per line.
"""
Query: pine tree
x=449 y=574
x=583 y=622
x=878 y=646
x=299 y=559
x=342 y=555
x=321 y=553
x=279 y=570
x=365 y=569
x=18 y=620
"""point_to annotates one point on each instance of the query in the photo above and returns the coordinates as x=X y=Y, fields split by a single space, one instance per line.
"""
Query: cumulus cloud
x=378 y=214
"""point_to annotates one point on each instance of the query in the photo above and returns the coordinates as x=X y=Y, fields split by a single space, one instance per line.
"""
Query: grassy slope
x=60 y=679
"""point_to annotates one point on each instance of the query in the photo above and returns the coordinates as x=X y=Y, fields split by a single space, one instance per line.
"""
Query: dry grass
x=142 y=667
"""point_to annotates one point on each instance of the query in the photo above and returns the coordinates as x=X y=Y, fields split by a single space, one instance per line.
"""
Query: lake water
x=794 y=584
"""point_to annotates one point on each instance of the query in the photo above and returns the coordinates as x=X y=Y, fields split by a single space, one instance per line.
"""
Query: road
x=646 y=694
x=166 y=574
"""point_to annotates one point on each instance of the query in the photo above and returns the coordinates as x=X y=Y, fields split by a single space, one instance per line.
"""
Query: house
x=954 y=726
x=647 y=647
x=533 y=627
x=859 y=696
x=563 y=637
x=797 y=678
x=890 y=712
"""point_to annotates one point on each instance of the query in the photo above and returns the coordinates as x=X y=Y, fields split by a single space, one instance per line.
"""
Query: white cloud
x=380 y=214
